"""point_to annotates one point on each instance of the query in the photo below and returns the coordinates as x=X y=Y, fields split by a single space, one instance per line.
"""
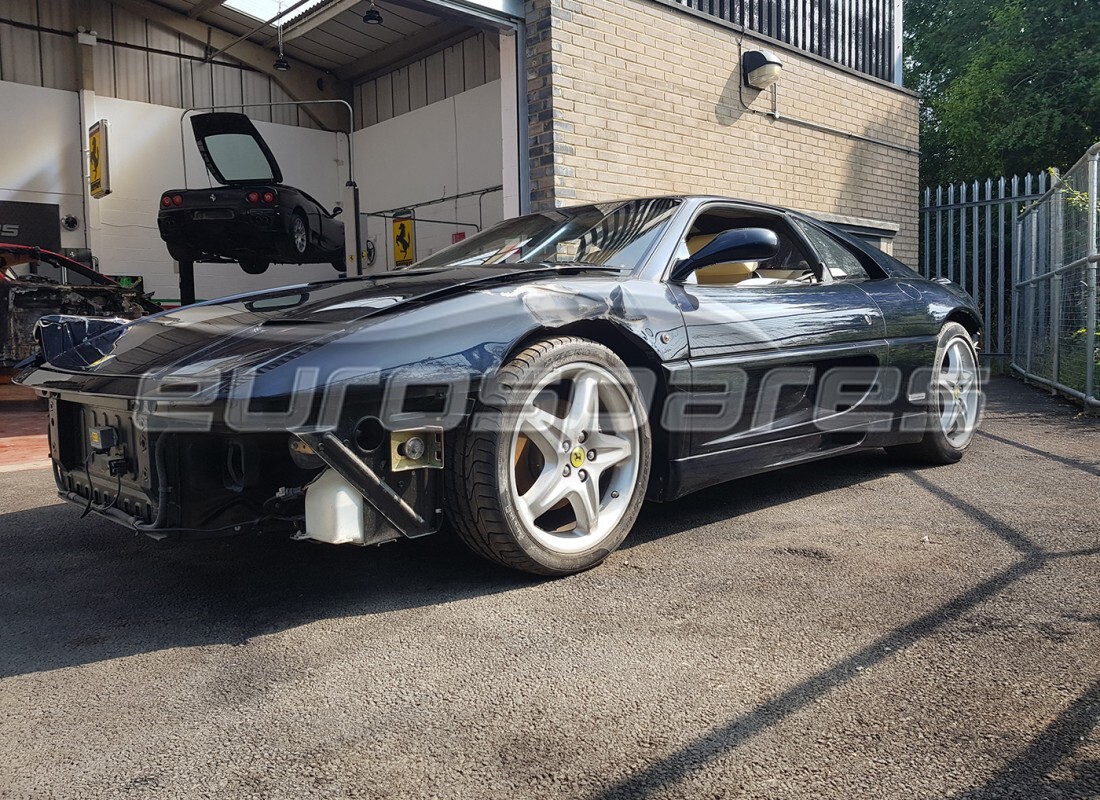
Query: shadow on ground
x=75 y=592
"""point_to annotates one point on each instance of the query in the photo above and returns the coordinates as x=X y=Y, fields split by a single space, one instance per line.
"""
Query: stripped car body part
x=252 y=218
x=299 y=408
x=36 y=283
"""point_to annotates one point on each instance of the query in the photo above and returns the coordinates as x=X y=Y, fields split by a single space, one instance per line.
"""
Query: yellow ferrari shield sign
x=404 y=240
x=99 y=173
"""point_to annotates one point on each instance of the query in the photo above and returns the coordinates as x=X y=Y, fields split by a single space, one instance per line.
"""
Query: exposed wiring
x=92 y=506
x=251 y=523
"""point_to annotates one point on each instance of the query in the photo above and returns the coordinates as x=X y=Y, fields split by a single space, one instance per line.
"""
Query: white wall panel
x=423 y=156
x=478 y=136
x=48 y=169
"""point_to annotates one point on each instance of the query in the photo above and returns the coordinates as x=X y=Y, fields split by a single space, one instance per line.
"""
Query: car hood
x=270 y=327
x=233 y=149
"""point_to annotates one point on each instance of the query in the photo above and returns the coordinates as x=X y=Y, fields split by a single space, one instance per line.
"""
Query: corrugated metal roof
x=327 y=36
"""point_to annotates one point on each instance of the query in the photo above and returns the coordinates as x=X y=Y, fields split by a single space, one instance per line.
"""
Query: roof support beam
x=302 y=82
x=202 y=7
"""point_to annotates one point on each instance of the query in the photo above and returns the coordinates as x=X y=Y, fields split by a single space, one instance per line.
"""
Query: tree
x=1007 y=86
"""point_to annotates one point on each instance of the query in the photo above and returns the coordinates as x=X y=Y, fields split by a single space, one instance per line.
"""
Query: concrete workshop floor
x=23 y=422
x=847 y=629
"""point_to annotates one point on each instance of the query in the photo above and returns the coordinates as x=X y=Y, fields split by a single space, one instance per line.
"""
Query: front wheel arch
x=484 y=501
x=637 y=355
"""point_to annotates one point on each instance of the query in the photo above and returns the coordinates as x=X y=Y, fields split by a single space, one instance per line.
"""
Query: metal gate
x=1055 y=297
x=967 y=235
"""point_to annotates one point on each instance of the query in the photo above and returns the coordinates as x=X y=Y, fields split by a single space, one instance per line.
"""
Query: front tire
x=549 y=477
x=954 y=401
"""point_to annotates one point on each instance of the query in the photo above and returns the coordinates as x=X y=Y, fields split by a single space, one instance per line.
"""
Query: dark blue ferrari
x=529 y=387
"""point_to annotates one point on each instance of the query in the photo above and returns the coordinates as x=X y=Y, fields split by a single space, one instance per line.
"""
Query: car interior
x=791 y=266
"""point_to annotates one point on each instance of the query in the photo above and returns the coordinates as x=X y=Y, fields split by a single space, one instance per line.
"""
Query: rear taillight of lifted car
x=269 y=197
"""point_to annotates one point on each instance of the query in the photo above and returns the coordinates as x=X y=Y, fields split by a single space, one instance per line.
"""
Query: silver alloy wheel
x=301 y=235
x=573 y=489
x=958 y=388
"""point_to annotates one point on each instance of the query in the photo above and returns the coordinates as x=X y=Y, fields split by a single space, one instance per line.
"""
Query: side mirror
x=337 y=211
x=742 y=244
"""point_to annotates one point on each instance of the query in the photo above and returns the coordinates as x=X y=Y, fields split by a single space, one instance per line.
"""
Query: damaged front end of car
x=238 y=416
x=191 y=455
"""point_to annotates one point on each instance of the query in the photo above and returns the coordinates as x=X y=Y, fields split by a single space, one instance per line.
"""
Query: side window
x=789 y=266
x=839 y=260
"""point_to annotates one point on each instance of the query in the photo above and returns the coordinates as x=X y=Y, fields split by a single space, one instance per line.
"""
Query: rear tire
x=254 y=266
x=299 y=234
x=954 y=401
x=550 y=477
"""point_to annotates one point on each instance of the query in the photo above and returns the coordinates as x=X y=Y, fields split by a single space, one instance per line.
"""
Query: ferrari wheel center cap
x=576 y=458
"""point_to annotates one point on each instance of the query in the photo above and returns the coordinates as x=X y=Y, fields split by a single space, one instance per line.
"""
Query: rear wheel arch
x=965 y=318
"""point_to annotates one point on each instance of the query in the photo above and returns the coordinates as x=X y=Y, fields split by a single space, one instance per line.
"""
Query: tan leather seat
x=721 y=274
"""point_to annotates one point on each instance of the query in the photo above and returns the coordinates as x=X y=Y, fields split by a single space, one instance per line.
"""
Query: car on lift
x=253 y=218
x=532 y=385
x=36 y=283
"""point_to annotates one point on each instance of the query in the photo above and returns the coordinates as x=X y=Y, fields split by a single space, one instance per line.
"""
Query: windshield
x=238 y=157
x=618 y=234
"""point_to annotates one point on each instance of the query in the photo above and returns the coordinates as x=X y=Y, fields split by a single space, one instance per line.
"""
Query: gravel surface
x=847 y=629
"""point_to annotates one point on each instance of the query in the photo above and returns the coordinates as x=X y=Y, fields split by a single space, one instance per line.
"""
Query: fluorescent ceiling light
x=266 y=9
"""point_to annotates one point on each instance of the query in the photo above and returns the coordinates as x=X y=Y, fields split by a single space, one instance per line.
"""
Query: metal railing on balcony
x=863 y=35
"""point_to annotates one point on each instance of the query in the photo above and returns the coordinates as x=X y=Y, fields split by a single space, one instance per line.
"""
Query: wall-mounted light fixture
x=760 y=69
x=373 y=15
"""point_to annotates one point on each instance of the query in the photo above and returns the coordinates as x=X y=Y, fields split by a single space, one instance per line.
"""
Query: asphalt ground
x=847 y=629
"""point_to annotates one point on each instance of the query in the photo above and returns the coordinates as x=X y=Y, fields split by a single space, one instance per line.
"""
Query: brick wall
x=630 y=97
